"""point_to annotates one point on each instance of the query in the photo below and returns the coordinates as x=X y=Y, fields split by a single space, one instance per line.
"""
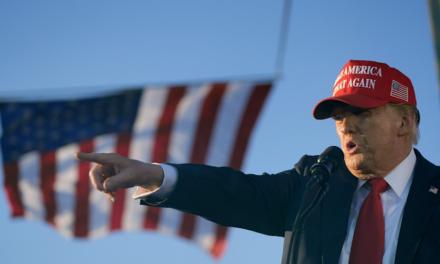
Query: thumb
x=109 y=185
x=112 y=184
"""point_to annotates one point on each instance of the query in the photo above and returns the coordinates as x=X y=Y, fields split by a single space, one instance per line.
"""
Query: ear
x=406 y=124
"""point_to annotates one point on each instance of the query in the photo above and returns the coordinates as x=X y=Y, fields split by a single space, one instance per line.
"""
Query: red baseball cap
x=367 y=84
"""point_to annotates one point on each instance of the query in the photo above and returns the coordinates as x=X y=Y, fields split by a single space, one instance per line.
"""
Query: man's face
x=369 y=139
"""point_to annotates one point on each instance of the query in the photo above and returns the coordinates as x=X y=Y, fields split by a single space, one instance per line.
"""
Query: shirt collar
x=400 y=175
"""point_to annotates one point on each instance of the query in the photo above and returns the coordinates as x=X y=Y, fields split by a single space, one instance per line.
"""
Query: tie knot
x=378 y=185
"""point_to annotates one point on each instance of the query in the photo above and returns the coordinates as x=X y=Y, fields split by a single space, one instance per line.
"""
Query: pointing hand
x=113 y=171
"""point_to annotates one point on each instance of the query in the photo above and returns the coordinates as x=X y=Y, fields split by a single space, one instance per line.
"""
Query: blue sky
x=66 y=48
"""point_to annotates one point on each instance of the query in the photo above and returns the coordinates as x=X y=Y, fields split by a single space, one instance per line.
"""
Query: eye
x=338 y=117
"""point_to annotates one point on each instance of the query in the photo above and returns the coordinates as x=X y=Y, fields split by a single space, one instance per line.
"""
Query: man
x=382 y=205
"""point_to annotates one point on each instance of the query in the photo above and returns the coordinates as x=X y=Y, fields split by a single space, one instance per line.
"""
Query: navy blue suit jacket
x=268 y=204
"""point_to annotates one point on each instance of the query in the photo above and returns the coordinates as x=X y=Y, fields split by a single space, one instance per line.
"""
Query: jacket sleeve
x=232 y=198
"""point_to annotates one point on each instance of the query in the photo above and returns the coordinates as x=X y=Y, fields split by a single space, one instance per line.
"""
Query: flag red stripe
x=248 y=120
x=82 y=193
x=220 y=241
x=162 y=139
x=152 y=217
x=122 y=148
x=206 y=123
x=203 y=135
x=163 y=131
x=187 y=226
x=11 y=187
x=47 y=174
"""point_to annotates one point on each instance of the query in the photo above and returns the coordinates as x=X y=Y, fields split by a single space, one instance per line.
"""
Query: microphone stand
x=300 y=221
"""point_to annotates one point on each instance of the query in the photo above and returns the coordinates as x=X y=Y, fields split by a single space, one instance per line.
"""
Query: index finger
x=101 y=158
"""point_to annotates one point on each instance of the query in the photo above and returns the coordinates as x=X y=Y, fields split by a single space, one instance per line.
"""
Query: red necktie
x=369 y=234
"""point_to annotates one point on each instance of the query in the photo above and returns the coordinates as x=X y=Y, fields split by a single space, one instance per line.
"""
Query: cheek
x=380 y=137
x=339 y=132
x=341 y=136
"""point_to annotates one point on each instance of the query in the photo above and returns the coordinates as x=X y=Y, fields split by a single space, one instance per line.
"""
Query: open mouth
x=351 y=146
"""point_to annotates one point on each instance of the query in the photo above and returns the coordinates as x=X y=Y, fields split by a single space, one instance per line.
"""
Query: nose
x=347 y=125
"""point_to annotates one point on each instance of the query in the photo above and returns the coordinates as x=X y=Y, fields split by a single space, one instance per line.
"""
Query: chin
x=356 y=163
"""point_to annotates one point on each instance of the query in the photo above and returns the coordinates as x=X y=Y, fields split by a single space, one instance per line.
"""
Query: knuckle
x=113 y=157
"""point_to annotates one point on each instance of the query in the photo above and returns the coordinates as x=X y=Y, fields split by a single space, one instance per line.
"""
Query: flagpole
x=435 y=27
x=282 y=41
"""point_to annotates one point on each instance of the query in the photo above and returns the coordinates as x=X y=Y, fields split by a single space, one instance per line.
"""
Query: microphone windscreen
x=333 y=153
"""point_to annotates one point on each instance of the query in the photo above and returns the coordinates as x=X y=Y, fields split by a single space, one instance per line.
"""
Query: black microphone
x=328 y=163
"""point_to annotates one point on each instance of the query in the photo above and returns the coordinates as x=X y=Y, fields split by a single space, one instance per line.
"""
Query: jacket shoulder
x=424 y=164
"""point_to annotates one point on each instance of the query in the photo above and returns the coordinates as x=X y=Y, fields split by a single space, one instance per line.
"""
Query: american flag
x=205 y=123
x=399 y=91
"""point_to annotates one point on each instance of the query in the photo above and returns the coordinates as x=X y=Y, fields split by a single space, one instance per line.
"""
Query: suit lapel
x=418 y=210
x=335 y=211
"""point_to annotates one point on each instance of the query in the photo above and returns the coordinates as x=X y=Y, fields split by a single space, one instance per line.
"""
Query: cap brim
x=325 y=108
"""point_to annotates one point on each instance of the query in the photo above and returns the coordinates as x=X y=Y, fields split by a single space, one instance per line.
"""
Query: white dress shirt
x=393 y=201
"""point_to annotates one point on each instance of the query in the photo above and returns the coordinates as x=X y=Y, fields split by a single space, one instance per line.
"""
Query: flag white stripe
x=204 y=234
x=100 y=206
x=29 y=185
x=134 y=214
x=185 y=124
x=227 y=124
x=150 y=110
x=65 y=182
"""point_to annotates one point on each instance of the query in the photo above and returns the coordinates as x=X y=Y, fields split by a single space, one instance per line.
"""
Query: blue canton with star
x=46 y=126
